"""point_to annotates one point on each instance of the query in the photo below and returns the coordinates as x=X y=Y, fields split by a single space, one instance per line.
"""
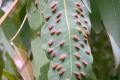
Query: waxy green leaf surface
x=110 y=14
x=64 y=39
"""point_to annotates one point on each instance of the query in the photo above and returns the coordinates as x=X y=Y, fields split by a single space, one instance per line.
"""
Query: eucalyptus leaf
x=95 y=16
x=23 y=63
x=110 y=13
x=40 y=60
x=10 y=76
x=63 y=39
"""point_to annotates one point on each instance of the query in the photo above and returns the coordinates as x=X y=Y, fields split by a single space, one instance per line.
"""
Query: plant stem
x=8 y=11
x=19 y=28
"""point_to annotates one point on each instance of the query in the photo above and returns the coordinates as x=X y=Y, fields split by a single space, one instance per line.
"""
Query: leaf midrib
x=69 y=34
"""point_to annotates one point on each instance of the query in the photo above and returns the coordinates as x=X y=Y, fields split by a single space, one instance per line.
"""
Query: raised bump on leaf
x=75 y=38
x=79 y=30
x=85 y=39
x=78 y=65
x=50 y=42
x=61 y=43
x=47 y=17
x=85 y=21
x=80 y=9
x=75 y=15
x=77 y=47
x=82 y=44
x=86 y=32
x=51 y=26
x=50 y=50
x=77 y=4
x=77 y=73
x=85 y=27
x=82 y=14
x=84 y=62
x=59 y=67
x=87 y=52
x=83 y=74
x=79 y=77
x=78 y=22
x=54 y=9
x=58 y=15
x=77 y=56
x=61 y=72
x=58 y=20
x=58 y=32
x=38 y=33
x=53 y=32
x=53 y=54
x=62 y=57
x=36 y=2
x=85 y=35
x=55 y=65
x=53 y=5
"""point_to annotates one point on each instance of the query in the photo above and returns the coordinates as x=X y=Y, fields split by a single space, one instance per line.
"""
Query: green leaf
x=40 y=60
x=10 y=75
x=92 y=76
x=110 y=14
x=95 y=16
x=34 y=13
x=10 y=65
x=70 y=41
x=87 y=4
x=7 y=31
x=0 y=3
x=25 y=31
x=23 y=63
x=1 y=68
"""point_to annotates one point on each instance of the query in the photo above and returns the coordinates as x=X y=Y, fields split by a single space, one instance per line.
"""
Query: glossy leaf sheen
x=23 y=64
x=1 y=68
x=34 y=13
x=40 y=59
x=0 y=3
x=10 y=75
x=95 y=16
x=87 y=4
x=110 y=14
x=92 y=76
x=7 y=31
x=68 y=27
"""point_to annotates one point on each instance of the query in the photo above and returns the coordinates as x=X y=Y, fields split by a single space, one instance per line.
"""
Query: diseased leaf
x=110 y=14
x=23 y=63
x=95 y=16
x=40 y=59
x=64 y=38
x=10 y=75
